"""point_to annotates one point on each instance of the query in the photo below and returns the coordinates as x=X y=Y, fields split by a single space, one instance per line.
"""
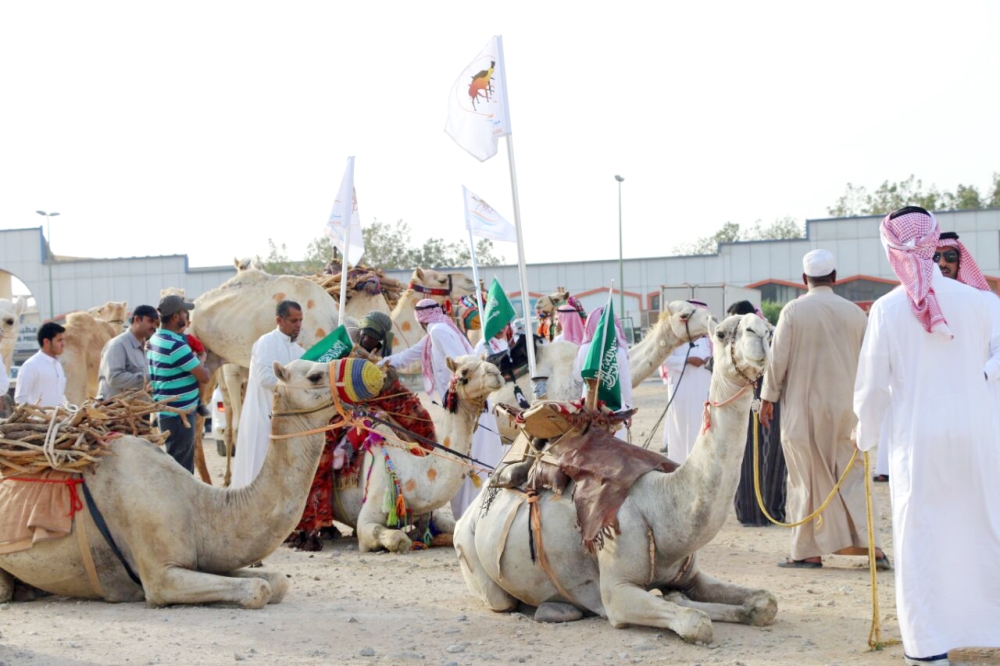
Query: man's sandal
x=800 y=564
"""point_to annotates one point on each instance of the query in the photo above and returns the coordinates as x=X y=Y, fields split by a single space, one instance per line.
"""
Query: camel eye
x=9 y=322
x=315 y=377
x=721 y=335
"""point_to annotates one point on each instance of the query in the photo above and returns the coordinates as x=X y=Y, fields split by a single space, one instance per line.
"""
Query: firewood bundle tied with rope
x=361 y=277
x=72 y=438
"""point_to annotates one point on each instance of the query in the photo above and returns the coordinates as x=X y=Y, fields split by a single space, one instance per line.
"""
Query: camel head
x=10 y=317
x=474 y=378
x=548 y=304
x=248 y=264
x=745 y=340
x=112 y=312
x=172 y=291
x=687 y=321
x=458 y=284
x=303 y=385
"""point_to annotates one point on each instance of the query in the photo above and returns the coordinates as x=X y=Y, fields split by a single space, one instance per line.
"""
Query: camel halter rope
x=875 y=640
x=356 y=418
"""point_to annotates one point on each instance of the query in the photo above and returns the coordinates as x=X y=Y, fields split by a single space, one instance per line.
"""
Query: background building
x=773 y=267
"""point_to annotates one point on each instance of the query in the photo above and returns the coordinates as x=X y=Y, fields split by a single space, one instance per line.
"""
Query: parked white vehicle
x=218 y=412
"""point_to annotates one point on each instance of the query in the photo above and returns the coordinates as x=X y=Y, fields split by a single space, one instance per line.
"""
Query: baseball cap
x=173 y=304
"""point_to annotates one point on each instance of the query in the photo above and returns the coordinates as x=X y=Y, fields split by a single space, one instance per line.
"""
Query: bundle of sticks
x=71 y=438
x=360 y=277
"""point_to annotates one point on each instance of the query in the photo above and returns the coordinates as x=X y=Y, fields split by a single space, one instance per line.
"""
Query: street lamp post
x=621 y=269
x=48 y=258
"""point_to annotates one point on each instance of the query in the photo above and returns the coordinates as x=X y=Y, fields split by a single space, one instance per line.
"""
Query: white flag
x=344 y=225
x=477 y=106
x=485 y=222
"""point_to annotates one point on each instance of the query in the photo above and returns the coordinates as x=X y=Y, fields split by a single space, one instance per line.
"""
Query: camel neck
x=267 y=510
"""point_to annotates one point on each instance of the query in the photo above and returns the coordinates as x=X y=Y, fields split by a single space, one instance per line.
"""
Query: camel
x=425 y=283
x=113 y=312
x=186 y=541
x=86 y=335
x=428 y=482
x=10 y=325
x=249 y=263
x=664 y=521
x=681 y=322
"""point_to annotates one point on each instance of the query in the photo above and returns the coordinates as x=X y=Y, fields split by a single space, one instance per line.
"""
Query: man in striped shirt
x=175 y=374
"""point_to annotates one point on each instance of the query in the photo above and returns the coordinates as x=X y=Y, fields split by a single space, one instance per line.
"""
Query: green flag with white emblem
x=602 y=360
x=336 y=345
x=499 y=311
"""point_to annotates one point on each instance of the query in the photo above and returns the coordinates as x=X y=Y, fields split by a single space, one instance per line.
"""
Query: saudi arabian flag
x=499 y=311
x=336 y=345
x=602 y=360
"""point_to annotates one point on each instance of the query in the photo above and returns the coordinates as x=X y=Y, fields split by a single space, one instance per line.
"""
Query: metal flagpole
x=479 y=289
x=522 y=270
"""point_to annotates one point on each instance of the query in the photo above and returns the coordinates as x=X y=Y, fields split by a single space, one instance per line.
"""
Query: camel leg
x=199 y=450
x=443 y=520
x=726 y=602
x=476 y=578
x=6 y=587
x=277 y=580
x=371 y=530
x=174 y=585
x=627 y=603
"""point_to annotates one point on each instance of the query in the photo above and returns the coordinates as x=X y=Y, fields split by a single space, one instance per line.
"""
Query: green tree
x=856 y=200
x=771 y=311
x=994 y=200
x=277 y=262
x=786 y=227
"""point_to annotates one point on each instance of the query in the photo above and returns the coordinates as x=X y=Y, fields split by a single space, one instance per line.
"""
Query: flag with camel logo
x=477 y=105
x=602 y=360
x=499 y=311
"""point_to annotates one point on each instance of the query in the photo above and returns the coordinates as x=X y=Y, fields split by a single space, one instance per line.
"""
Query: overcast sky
x=206 y=127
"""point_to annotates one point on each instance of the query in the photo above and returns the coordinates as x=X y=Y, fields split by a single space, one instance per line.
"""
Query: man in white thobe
x=814 y=358
x=687 y=394
x=444 y=341
x=254 y=437
x=42 y=380
x=930 y=358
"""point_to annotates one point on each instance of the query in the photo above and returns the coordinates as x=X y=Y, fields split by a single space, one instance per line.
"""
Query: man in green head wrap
x=376 y=333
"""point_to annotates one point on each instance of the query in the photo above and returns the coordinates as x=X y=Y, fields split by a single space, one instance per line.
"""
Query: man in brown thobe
x=814 y=358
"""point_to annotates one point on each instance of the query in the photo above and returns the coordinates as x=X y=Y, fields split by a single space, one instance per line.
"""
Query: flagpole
x=479 y=290
x=522 y=270
x=343 y=275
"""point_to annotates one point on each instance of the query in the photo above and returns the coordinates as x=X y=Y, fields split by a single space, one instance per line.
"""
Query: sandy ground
x=344 y=607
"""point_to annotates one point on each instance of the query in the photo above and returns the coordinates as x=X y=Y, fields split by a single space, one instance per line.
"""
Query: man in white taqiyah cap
x=818 y=264
x=814 y=359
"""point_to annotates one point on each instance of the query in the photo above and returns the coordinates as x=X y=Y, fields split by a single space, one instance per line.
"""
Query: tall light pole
x=48 y=258
x=621 y=269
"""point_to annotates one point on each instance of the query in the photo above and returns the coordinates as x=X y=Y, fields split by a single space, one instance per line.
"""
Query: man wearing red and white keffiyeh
x=957 y=263
x=942 y=434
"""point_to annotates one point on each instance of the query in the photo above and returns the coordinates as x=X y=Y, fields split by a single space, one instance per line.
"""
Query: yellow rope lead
x=756 y=483
x=875 y=641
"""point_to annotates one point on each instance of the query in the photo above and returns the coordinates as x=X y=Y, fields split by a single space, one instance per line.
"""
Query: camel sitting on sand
x=663 y=522
x=187 y=542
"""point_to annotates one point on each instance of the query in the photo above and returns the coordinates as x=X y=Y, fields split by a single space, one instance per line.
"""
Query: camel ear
x=451 y=364
x=419 y=274
x=236 y=263
x=280 y=372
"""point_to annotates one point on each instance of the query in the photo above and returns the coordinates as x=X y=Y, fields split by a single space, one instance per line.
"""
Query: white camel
x=664 y=521
x=188 y=542
x=428 y=482
x=10 y=325
x=681 y=322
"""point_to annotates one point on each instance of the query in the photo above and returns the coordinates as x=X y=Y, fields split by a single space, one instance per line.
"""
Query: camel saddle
x=562 y=442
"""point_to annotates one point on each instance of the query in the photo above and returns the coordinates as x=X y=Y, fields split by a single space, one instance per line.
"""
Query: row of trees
x=387 y=246
x=856 y=200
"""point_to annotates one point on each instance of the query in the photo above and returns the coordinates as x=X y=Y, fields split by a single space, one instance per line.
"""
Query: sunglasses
x=951 y=256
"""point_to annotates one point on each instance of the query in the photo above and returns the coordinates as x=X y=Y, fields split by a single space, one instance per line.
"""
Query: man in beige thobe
x=814 y=359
